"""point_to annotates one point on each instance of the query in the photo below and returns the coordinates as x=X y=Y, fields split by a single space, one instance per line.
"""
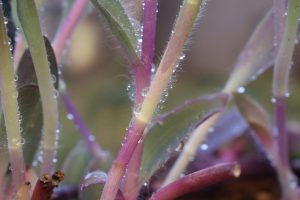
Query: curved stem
x=198 y=180
x=10 y=108
x=67 y=27
x=190 y=149
x=29 y=21
x=182 y=28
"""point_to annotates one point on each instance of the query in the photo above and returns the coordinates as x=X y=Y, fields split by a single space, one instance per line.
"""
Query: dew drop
x=144 y=91
x=57 y=131
x=16 y=78
x=236 y=171
x=153 y=69
x=53 y=78
x=287 y=94
x=91 y=138
x=70 y=116
x=285 y=14
x=182 y=57
x=273 y=100
x=204 y=147
x=211 y=129
x=56 y=94
x=179 y=147
x=54 y=160
x=145 y=184
x=241 y=90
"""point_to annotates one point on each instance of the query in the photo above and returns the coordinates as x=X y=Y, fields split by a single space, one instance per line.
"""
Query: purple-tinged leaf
x=198 y=180
x=169 y=130
x=258 y=120
x=92 y=178
x=256 y=57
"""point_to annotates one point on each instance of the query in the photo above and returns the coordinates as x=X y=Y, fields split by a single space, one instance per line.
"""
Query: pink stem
x=198 y=180
x=131 y=186
x=67 y=27
x=142 y=76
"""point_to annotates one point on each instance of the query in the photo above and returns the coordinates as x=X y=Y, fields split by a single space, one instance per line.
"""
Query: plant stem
x=67 y=27
x=142 y=74
x=28 y=17
x=182 y=28
x=198 y=180
x=88 y=137
x=256 y=56
x=62 y=35
x=180 y=33
x=281 y=76
x=190 y=149
x=278 y=10
x=10 y=108
x=280 y=91
x=130 y=185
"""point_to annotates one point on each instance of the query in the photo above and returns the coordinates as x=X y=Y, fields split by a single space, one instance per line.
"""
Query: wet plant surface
x=92 y=105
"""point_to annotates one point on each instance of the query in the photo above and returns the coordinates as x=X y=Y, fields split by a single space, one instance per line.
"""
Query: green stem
x=10 y=109
x=29 y=21
x=183 y=26
x=283 y=60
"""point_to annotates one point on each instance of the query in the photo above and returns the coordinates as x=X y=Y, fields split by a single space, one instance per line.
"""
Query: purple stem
x=67 y=27
x=130 y=185
x=142 y=74
x=281 y=133
x=61 y=37
x=88 y=137
x=198 y=180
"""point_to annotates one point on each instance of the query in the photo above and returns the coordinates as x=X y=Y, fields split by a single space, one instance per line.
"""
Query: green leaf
x=169 y=131
x=26 y=73
x=76 y=163
x=120 y=25
x=257 y=55
x=30 y=103
x=258 y=119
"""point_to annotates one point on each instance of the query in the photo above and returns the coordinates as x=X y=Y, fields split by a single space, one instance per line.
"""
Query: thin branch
x=198 y=180
x=10 y=108
x=88 y=137
x=68 y=25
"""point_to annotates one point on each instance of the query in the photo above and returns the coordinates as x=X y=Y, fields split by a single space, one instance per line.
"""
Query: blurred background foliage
x=97 y=75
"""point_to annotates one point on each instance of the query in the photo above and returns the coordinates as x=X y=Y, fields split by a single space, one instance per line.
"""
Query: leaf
x=92 y=178
x=120 y=25
x=26 y=73
x=257 y=55
x=30 y=103
x=170 y=129
x=258 y=120
x=76 y=163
